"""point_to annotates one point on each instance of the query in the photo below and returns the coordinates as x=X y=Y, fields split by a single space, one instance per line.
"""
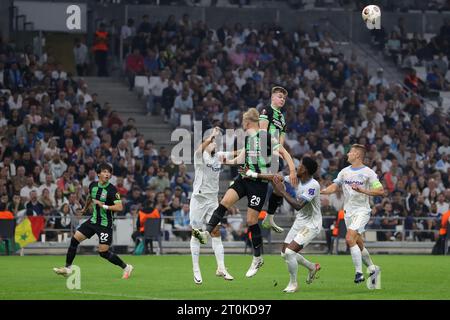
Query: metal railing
x=399 y=231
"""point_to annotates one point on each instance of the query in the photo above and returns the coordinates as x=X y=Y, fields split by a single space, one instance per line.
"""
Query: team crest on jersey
x=103 y=195
x=117 y=196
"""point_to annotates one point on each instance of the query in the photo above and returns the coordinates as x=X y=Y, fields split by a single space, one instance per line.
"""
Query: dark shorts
x=104 y=234
x=255 y=190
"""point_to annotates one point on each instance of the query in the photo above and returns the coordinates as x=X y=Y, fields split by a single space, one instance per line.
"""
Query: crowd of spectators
x=214 y=75
x=409 y=50
x=54 y=132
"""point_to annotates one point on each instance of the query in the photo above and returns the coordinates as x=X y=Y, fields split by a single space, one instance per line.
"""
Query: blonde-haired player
x=259 y=147
x=358 y=182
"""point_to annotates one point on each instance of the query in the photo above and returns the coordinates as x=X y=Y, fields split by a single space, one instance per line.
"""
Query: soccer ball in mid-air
x=371 y=13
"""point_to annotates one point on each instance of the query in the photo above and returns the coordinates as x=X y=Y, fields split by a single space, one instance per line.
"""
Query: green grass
x=170 y=277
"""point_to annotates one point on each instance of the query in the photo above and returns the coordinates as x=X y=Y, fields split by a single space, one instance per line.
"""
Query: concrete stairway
x=127 y=104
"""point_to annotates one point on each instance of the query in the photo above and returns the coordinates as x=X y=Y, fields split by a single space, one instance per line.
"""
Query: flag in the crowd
x=28 y=230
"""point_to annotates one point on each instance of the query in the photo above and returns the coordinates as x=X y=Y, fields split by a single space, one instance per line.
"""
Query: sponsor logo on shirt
x=214 y=168
x=353 y=182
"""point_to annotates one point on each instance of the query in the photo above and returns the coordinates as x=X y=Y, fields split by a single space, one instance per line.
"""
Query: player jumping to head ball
x=260 y=149
x=272 y=120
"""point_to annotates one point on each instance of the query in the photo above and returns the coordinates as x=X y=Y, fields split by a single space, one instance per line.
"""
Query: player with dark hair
x=105 y=200
x=204 y=201
x=272 y=120
x=257 y=155
x=307 y=224
x=358 y=182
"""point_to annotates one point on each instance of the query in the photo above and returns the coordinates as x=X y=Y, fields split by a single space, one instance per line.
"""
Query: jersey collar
x=305 y=183
x=275 y=109
x=103 y=185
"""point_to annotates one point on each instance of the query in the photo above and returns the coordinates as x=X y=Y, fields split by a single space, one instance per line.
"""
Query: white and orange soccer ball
x=371 y=13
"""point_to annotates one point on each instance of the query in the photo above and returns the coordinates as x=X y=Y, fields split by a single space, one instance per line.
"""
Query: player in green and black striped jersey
x=272 y=120
x=105 y=200
x=259 y=155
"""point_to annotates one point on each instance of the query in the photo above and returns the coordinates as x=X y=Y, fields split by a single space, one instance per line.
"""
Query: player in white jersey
x=204 y=201
x=308 y=221
x=358 y=183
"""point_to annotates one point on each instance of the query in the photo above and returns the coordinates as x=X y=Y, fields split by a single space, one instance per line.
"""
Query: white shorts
x=357 y=220
x=201 y=209
x=301 y=233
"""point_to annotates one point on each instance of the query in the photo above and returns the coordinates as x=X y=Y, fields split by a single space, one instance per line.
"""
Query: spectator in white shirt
x=127 y=33
x=445 y=148
x=443 y=164
x=442 y=205
x=239 y=79
x=156 y=87
x=335 y=147
x=45 y=172
x=49 y=184
x=26 y=190
x=62 y=102
x=15 y=101
x=91 y=177
x=82 y=91
x=81 y=57
x=7 y=163
x=310 y=73
x=379 y=79
x=301 y=147
x=183 y=105
x=59 y=73
x=57 y=166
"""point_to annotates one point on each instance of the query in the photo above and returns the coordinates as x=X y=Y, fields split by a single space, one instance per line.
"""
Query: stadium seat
x=370 y=235
x=421 y=73
x=141 y=82
x=185 y=121
x=428 y=36
x=152 y=231
x=7 y=230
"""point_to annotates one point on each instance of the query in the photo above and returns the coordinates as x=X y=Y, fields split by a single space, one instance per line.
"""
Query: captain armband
x=376 y=184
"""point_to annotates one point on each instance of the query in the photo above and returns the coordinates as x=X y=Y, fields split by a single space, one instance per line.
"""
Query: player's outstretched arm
x=238 y=160
x=252 y=174
x=297 y=204
x=332 y=188
x=208 y=140
x=87 y=204
x=370 y=192
x=286 y=156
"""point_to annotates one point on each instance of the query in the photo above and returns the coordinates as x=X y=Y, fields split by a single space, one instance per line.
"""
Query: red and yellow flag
x=29 y=230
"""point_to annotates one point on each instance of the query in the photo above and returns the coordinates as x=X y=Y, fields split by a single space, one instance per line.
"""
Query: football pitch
x=169 y=277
